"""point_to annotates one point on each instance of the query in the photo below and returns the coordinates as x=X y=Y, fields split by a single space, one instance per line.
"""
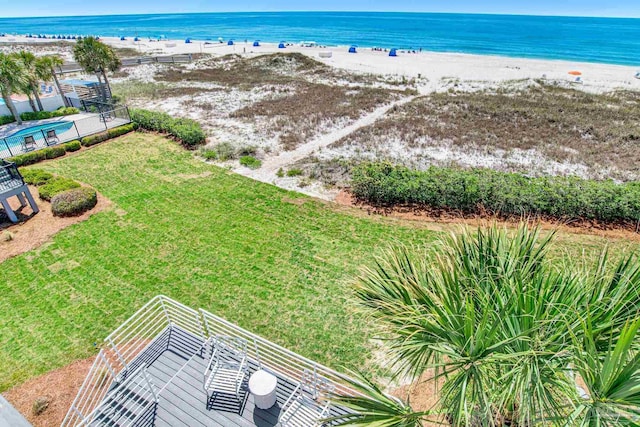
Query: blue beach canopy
x=393 y=52
x=123 y=38
x=352 y=49
x=187 y=41
x=281 y=45
x=256 y=43
x=137 y=39
x=230 y=43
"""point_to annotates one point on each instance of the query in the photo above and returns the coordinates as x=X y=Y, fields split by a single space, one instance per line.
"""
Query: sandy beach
x=433 y=69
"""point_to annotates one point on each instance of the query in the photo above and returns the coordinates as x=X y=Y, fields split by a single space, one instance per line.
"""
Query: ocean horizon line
x=534 y=15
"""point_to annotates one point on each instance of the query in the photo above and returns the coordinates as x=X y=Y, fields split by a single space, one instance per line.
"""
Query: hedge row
x=478 y=190
x=90 y=140
x=44 y=154
x=187 y=131
x=40 y=115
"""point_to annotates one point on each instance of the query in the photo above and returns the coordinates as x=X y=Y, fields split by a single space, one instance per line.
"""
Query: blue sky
x=624 y=8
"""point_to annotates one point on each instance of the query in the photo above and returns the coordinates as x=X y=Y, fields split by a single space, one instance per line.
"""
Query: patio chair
x=308 y=403
x=29 y=143
x=51 y=138
x=227 y=368
x=107 y=116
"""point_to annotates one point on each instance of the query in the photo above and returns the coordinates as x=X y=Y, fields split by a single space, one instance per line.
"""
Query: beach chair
x=29 y=143
x=51 y=138
x=107 y=116
x=227 y=368
x=308 y=404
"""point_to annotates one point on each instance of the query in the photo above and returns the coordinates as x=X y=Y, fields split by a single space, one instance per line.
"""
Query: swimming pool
x=60 y=127
x=38 y=132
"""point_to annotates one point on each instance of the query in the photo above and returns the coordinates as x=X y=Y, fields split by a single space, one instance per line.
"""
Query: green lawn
x=275 y=262
x=244 y=250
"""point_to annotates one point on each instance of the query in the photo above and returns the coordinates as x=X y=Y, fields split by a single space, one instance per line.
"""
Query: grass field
x=275 y=262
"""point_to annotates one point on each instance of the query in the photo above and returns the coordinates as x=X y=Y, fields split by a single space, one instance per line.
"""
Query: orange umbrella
x=575 y=73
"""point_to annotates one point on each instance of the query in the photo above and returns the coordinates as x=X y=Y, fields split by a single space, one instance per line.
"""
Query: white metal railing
x=272 y=356
x=115 y=362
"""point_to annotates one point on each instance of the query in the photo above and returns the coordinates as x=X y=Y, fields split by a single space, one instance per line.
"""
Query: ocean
x=603 y=40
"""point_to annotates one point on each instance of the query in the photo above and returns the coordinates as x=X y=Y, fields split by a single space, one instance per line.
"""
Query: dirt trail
x=267 y=172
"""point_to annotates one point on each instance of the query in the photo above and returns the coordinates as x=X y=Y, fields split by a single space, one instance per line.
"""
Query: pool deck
x=11 y=128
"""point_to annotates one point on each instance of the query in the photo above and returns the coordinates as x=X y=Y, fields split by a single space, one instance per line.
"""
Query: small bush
x=90 y=140
x=187 y=131
x=208 y=153
x=225 y=151
x=28 y=158
x=55 y=186
x=54 y=152
x=280 y=173
x=248 y=150
x=35 y=177
x=5 y=120
x=250 y=162
x=72 y=146
x=40 y=405
x=74 y=202
x=294 y=172
x=476 y=190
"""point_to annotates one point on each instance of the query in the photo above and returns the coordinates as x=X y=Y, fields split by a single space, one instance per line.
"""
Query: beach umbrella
x=393 y=52
x=230 y=43
x=256 y=43
x=187 y=41
x=123 y=38
x=137 y=39
x=352 y=49
x=281 y=45
x=575 y=73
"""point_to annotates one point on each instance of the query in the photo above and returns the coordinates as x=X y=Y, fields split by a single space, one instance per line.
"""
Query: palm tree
x=96 y=57
x=31 y=84
x=45 y=68
x=12 y=77
x=507 y=333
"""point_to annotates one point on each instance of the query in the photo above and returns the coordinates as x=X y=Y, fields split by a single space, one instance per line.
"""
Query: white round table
x=263 y=385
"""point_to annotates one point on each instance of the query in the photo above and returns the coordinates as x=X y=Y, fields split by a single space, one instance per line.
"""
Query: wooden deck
x=175 y=362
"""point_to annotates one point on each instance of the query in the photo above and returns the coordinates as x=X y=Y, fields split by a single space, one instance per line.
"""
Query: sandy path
x=270 y=166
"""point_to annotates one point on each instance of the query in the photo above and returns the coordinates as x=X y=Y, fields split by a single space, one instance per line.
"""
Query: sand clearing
x=432 y=67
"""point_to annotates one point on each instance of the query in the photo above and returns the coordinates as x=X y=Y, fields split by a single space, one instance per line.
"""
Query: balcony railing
x=119 y=362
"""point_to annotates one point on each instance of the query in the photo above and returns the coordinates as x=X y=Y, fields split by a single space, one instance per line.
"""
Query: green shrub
x=294 y=172
x=280 y=173
x=72 y=146
x=35 y=177
x=54 y=152
x=94 y=139
x=509 y=194
x=90 y=140
x=74 y=202
x=56 y=185
x=208 y=153
x=4 y=120
x=248 y=150
x=28 y=158
x=40 y=115
x=187 y=131
x=121 y=130
x=225 y=151
x=250 y=162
